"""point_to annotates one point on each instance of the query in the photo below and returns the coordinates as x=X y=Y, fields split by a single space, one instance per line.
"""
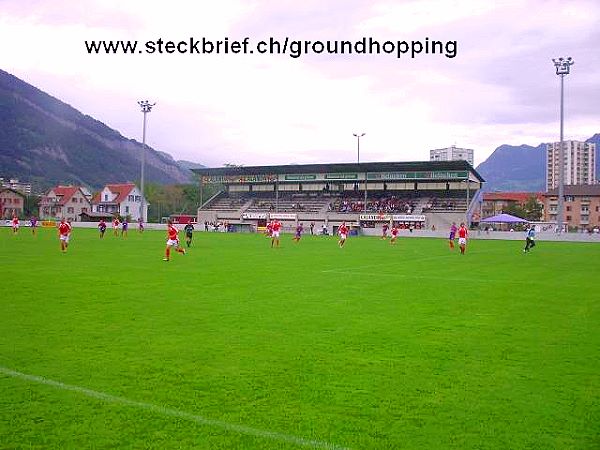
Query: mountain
x=511 y=168
x=520 y=168
x=189 y=165
x=48 y=142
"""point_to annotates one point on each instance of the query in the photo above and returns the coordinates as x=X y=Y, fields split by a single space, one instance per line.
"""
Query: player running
x=102 y=228
x=269 y=230
x=116 y=226
x=276 y=229
x=343 y=232
x=298 y=235
x=124 y=228
x=452 y=236
x=15 y=224
x=33 y=224
x=463 y=234
x=140 y=226
x=529 y=239
x=172 y=241
x=384 y=231
x=64 y=234
x=189 y=232
x=394 y=235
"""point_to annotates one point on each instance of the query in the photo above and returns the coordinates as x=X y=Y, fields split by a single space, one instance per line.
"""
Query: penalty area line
x=171 y=412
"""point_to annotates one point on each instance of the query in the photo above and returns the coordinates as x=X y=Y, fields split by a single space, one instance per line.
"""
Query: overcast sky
x=254 y=109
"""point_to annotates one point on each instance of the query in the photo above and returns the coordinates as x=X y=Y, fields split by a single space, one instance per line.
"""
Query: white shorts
x=65 y=238
x=173 y=242
x=15 y=225
x=343 y=236
x=275 y=234
x=462 y=241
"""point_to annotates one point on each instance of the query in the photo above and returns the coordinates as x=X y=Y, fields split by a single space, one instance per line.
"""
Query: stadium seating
x=351 y=202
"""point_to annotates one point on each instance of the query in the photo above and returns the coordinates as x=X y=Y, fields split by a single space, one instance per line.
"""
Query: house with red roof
x=64 y=201
x=120 y=199
x=12 y=203
x=495 y=203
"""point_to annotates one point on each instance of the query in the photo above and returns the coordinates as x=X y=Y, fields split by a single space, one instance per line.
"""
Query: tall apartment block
x=579 y=163
x=452 y=153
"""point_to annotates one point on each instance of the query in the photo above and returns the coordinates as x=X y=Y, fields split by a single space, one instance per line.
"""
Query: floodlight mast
x=563 y=67
x=146 y=108
x=358 y=136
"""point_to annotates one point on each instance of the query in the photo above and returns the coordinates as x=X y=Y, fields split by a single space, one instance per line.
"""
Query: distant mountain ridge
x=48 y=142
x=189 y=165
x=520 y=168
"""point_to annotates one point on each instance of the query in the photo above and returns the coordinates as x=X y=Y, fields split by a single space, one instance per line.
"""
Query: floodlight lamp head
x=146 y=105
x=563 y=65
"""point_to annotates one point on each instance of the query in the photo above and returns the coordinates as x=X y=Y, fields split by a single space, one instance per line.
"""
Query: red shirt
x=276 y=225
x=15 y=221
x=462 y=232
x=115 y=223
x=172 y=231
x=394 y=231
x=64 y=228
x=343 y=229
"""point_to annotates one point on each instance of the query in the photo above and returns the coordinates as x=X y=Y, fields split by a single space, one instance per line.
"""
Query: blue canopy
x=504 y=218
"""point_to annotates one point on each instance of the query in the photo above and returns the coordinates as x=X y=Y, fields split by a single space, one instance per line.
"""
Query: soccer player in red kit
x=116 y=224
x=64 y=234
x=15 y=224
x=276 y=227
x=343 y=232
x=394 y=235
x=172 y=241
x=463 y=234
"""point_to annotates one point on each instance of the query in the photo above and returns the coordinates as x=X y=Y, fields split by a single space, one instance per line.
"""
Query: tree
x=530 y=210
x=515 y=209
x=533 y=209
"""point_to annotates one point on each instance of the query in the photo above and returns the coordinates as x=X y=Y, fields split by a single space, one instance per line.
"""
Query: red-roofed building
x=496 y=202
x=121 y=199
x=11 y=202
x=64 y=201
x=582 y=206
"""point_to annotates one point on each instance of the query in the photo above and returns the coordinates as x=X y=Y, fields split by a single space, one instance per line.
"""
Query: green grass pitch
x=239 y=346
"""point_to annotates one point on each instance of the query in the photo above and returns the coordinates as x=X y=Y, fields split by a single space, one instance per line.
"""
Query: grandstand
x=418 y=195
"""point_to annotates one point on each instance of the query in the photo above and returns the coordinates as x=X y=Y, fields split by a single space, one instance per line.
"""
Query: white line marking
x=174 y=412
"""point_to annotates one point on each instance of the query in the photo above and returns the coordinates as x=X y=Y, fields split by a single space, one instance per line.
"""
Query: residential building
x=64 y=201
x=582 y=206
x=497 y=202
x=452 y=153
x=11 y=202
x=579 y=163
x=121 y=199
x=16 y=185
